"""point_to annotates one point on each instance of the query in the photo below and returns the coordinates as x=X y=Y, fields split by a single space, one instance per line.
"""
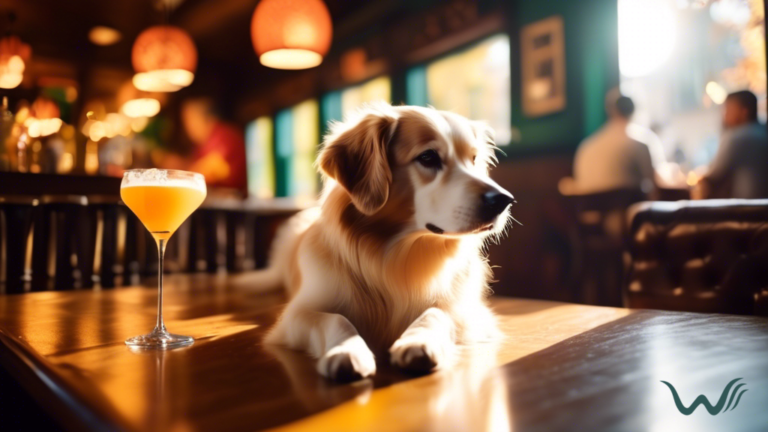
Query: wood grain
x=559 y=367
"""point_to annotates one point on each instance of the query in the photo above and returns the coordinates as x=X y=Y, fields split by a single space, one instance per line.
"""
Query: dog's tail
x=277 y=274
x=264 y=280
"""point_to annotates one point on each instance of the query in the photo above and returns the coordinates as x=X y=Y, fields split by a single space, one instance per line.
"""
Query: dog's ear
x=357 y=159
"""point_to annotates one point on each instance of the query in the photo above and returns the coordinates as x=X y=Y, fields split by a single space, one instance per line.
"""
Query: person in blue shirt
x=740 y=167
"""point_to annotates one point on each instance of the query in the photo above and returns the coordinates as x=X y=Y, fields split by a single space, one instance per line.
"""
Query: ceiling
x=228 y=67
x=59 y=29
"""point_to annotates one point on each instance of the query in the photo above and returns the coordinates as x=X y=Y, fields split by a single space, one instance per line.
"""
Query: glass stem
x=160 y=326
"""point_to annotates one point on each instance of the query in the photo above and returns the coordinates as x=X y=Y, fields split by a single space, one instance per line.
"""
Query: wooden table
x=560 y=367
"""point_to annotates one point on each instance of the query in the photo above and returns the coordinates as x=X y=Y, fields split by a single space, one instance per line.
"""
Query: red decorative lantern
x=164 y=58
x=13 y=56
x=291 y=34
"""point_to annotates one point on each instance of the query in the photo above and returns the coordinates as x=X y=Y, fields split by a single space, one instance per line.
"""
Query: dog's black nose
x=493 y=203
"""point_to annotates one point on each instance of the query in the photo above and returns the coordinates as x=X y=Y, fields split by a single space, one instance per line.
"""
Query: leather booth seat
x=700 y=256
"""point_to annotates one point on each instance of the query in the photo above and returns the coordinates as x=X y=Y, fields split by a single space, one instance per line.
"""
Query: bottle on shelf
x=6 y=127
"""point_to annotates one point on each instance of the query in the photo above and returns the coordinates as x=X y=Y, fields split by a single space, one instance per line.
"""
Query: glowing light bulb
x=143 y=107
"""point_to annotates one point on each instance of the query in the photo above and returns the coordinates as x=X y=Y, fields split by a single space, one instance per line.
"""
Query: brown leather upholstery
x=702 y=256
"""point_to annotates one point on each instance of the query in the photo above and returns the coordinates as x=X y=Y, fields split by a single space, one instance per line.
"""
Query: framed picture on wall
x=543 y=67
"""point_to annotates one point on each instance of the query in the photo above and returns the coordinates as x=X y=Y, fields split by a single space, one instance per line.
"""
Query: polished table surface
x=559 y=367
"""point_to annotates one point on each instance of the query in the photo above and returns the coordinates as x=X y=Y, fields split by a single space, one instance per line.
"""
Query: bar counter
x=15 y=183
x=35 y=185
x=556 y=359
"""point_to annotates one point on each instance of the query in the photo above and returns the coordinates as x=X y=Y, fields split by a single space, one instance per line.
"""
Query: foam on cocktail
x=155 y=177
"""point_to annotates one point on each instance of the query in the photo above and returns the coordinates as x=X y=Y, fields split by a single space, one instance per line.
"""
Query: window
x=260 y=158
x=378 y=89
x=296 y=141
x=336 y=105
x=680 y=58
x=474 y=83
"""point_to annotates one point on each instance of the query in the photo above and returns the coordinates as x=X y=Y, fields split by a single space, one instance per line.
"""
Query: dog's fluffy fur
x=364 y=271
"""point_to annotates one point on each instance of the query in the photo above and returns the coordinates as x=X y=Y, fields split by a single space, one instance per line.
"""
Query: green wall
x=592 y=68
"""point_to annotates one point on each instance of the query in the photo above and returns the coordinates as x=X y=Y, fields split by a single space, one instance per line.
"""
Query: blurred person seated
x=219 y=148
x=740 y=167
x=620 y=155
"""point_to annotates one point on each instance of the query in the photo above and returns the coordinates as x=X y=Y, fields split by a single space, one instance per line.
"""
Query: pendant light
x=164 y=58
x=291 y=34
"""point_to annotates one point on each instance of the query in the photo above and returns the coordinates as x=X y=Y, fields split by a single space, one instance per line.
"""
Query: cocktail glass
x=162 y=200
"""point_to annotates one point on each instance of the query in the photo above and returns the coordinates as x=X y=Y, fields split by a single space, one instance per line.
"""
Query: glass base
x=159 y=339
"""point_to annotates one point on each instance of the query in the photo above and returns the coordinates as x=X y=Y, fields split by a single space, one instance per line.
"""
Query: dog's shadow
x=314 y=391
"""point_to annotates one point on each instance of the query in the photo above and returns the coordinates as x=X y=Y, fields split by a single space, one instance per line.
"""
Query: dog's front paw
x=352 y=360
x=419 y=354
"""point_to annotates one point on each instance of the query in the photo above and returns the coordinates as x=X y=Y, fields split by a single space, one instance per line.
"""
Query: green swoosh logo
x=702 y=400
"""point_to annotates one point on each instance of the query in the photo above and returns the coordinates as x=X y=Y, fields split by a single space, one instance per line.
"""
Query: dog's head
x=426 y=165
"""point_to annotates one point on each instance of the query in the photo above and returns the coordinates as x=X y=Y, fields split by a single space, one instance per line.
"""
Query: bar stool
x=208 y=241
x=140 y=251
x=241 y=231
x=61 y=252
x=108 y=229
x=177 y=253
x=264 y=229
x=15 y=242
x=139 y=258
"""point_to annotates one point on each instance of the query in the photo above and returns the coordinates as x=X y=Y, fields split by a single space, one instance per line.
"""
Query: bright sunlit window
x=679 y=59
x=647 y=32
x=474 y=82
x=260 y=158
x=377 y=89
x=337 y=104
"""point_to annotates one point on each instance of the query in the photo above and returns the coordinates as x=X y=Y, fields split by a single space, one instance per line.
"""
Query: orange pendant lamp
x=13 y=56
x=164 y=58
x=291 y=34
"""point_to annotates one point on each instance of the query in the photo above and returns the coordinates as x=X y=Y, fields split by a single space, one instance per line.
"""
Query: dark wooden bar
x=559 y=367
x=13 y=183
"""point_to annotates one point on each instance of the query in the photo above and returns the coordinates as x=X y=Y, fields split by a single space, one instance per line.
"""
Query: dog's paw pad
x=346 y=364
x=416 y=357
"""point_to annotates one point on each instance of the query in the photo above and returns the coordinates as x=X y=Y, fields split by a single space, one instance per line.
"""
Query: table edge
x=36 y=376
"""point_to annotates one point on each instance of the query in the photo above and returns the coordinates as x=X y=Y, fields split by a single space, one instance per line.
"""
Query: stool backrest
x=16 y=213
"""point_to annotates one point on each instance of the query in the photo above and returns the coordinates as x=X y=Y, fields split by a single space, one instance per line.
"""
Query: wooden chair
x=598 y=237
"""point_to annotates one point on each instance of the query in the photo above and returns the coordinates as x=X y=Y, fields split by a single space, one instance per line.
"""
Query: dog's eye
x=429 y=159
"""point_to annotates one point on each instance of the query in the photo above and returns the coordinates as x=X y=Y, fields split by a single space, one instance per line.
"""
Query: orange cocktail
x=162 y=200
x=162 y=209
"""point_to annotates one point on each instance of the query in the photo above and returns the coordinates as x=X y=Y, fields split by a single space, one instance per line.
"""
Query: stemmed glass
x=162 y=200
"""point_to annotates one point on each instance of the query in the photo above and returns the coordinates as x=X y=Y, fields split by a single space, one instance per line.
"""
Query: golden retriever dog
x=393 y=258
